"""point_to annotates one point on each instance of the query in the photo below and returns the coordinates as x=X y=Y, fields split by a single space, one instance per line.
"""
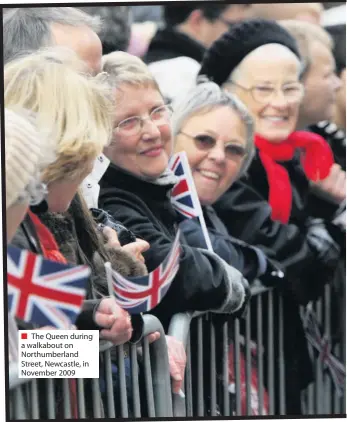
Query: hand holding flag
x=141 y=294
x=184 y=197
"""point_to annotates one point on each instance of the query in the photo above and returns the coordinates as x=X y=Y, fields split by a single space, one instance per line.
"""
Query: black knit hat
x=241 y=39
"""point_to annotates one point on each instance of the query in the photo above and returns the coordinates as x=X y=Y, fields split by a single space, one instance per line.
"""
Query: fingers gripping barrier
x=235 y=367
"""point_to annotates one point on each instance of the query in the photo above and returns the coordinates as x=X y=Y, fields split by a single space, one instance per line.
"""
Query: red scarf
x=316 y=159
x=51 y=251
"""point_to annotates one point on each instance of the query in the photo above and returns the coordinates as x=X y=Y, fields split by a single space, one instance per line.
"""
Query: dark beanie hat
x=241 y=39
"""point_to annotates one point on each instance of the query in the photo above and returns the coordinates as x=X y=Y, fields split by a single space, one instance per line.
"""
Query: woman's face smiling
x=270 y=66
x=214 y=168
x=144 y=153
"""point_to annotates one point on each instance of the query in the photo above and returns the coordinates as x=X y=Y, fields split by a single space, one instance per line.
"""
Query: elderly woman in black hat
x=258 y=60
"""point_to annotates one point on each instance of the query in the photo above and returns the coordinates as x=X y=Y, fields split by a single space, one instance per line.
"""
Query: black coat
x=168 y=43
x=250 y=261
x=145 y=208
x=309 y=261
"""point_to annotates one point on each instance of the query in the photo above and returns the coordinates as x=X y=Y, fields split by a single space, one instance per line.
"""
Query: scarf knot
x=316 y=159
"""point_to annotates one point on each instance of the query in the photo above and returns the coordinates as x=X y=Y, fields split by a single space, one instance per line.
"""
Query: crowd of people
x=255 y=97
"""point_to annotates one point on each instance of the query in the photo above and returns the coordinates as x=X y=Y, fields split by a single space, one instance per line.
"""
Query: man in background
x=175 y=52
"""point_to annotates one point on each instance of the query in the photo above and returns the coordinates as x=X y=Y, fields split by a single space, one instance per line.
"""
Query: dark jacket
x=249 y=260
x=335 y=137
x=168 y=43
x=202 y=282
x=304 y=248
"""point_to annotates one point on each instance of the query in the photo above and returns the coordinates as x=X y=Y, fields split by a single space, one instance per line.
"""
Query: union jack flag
x=141 y=294
x=44 y=292
x=183 y=196
x=323 y=347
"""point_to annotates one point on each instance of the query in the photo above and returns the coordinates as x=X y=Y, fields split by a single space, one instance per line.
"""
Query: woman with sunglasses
x=201 y=125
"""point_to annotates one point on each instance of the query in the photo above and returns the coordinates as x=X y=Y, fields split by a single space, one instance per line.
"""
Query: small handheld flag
x=141 y=294
x=44 y=292
x=184 y=197
x=323 y=347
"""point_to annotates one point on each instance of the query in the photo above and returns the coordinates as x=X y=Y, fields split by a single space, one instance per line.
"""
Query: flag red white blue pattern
x=141 y=294
x=44 y=292
x=183 y=196
x=323 y=347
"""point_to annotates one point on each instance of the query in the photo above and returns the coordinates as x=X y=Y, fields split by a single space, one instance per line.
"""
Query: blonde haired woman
x=75 y=108
x=52 y=84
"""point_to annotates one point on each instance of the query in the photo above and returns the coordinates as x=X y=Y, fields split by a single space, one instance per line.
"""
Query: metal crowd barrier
x=251 y=390
x=231 y=371
x=108 y=396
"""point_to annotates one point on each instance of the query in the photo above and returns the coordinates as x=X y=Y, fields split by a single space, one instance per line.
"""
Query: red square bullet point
x=24 y=336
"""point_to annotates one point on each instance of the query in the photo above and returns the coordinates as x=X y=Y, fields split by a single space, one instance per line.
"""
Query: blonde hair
x=74 y=107
x=124 y=68
x=305 y=34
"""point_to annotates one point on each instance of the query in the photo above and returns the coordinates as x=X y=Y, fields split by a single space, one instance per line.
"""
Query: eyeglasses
x=133 y=125
x=205 y=142
x=292 y=93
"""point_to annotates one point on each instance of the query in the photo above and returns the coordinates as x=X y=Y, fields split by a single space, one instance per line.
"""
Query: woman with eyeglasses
x=259 y=62
x=264 y=72
x=135 y=190
x=45 y=82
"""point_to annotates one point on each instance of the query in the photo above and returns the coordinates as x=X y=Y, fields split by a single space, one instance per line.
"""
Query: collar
x=176 y=44
x=118 y=177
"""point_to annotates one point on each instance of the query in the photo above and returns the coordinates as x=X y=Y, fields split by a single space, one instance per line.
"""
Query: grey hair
x=207 y=96
x=28 y=29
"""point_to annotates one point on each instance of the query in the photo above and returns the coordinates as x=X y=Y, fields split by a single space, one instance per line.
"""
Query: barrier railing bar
x=200 y=380
x=50 y=398
x=271 y=357
x=148 y=379
x=188 y=381
x=134 y=381
x=111 y=412
x=260 y=354
x=237 y=360
x=122 y=381
x=35 y=414
x=281 y=358
x=81 y=400
x=66 y=399
x=319 y=369
x=248 y=361
x=20 y=411
x=327 y=324
x=97 y=409
x=225 y=381
x=213 y=372
x=160 y=365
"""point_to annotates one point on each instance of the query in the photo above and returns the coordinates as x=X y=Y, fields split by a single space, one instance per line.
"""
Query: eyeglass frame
x=271 y=96
x=143 y=119
x=194 y=138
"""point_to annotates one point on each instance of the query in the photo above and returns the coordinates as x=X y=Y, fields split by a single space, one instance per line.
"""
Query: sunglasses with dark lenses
x=205 y=142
